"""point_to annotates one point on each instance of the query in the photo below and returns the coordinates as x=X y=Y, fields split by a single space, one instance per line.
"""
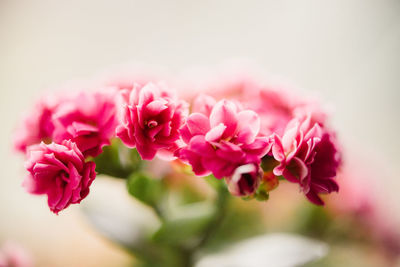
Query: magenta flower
x=60 y=172
x=245 y=180
x=222 y=141
x=307 y=156
x=37 y=125
x=150 y=120
x=88 y=119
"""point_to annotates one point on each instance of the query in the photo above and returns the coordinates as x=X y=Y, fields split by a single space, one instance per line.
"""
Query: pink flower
x=222 y=141
x=275 y=103
x=60 y=172
x=245 y=180
x=307 y=156
x=150 y=120
x=88 y=119
x=37 y=125
x=203 y=104
x=14 y=255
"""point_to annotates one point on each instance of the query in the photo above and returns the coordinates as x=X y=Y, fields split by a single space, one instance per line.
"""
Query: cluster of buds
x=245 y=132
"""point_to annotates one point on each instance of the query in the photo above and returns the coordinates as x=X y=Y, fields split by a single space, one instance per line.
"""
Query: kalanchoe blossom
x=60 y=172
x=275 y=104
x=203 y=104
x=37 y=125
x=14 y=255
x=308 y=156
x=245 y=180
x=150 y=120
x=88 y=119
x=222 y=141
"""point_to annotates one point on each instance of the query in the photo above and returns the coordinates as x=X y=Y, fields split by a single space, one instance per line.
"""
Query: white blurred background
x=347 y=51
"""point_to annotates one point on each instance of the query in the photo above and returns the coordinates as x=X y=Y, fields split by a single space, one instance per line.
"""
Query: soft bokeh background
x=346 y=51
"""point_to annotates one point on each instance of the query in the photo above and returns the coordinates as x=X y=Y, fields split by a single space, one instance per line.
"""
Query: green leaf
x=215 y=182
x=187 y=225
x=145 y=188
x=240 y=222
x=117 y=160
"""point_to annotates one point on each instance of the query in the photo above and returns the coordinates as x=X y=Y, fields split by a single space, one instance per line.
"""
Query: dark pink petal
x=230 y=152
x=200 y=146
x=198 y=123
x=219 y=167
x=145 y=151
x=314 y=198
x=186 y=134
x=260 y=147
x=122 y=133
x=195 y=161
x=296 y=171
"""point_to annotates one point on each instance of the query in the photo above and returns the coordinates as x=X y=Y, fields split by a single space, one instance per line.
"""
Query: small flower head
x=150 y=119
x=88 y=119
x=37 y=125
x=244 y=180
x=60 y=172
x=223 y=140
x=308 y=155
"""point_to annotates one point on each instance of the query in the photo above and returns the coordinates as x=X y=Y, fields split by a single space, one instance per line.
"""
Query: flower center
x=152 y=124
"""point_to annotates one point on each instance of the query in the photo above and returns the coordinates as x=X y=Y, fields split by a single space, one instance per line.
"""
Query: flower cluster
x=59 y=136
x=246 y=132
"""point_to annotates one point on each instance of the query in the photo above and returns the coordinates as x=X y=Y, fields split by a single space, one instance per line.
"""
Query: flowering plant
x=242 y=135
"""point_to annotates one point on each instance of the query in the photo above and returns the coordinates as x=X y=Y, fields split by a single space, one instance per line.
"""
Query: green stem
x=218 y=218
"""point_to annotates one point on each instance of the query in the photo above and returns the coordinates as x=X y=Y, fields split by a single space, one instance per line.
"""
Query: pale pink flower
x=275 y=103
x=37 y=125
x=308 y=156
x=203 y=104
x=14 y=255
x=222 y=141
x=60 y=172
x=87 y=118
x=363 y=199
x=245 y=180
x=151 y=117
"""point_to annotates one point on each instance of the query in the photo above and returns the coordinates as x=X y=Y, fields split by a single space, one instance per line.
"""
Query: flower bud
x=245 y=180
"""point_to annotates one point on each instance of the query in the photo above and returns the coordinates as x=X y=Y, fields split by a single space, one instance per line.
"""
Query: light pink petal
x=215 y=133
x=146 y=94
x=277 y=149
x=248 y=126
x=155 y=107
x=224 y=112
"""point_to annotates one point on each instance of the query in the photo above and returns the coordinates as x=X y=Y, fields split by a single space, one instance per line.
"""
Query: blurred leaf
x=240 y=222
x=189 y=195
x=117 y=160
x=215 y=182
x=261 y=194
x=145 y=189
x=313 y=221
x=186 y=226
